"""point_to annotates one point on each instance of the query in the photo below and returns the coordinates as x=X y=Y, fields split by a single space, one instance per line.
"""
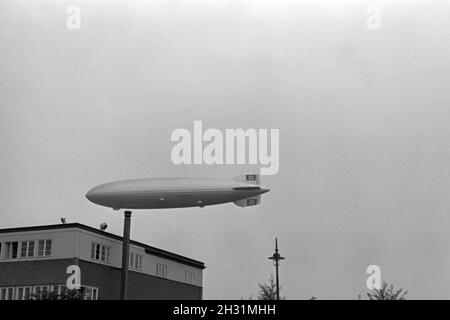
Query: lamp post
x=125 y=254
x=276 y=258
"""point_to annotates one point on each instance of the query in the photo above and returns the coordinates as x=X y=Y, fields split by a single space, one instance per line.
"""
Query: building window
x=62 y=289
x=90 y=293
x=23 y=293
x=161 y=270
x=138 y=262
x=40 y=291
x=94 y=293
x=135 y=261
x=108 y=253
x=7 y=293
x=103 y=253
x=100 y=252
x=131 y=262
x=95 y=251
x=11 y=249
x=27 y=250
x=45 y=248
x=189 y=277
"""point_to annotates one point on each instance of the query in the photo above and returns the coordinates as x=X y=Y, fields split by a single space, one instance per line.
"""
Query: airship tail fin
x=249 y=178
x=249 y=202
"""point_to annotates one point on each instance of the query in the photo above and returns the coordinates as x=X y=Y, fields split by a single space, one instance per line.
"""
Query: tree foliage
x=268 y=291
x=387 y=293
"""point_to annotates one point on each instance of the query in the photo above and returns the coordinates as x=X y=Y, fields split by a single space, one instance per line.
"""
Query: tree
x=268 y=291
x=387 y=293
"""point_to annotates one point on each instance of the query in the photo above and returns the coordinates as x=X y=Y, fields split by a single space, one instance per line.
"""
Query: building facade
x=35 y=260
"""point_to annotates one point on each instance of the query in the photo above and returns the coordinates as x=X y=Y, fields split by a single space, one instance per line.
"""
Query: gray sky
x=363 y=114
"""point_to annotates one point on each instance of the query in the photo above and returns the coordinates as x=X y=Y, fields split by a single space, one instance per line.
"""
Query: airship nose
x=91 y=195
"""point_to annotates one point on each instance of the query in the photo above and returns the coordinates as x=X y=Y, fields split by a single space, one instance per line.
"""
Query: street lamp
x=276 y=258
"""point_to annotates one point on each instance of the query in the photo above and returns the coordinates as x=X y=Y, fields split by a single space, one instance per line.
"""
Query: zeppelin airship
x=160 y=193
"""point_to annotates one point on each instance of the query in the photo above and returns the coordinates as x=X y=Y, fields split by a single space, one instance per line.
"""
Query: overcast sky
x=364 y=119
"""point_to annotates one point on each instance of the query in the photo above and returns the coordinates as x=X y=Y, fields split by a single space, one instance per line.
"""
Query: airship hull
x=164 y=193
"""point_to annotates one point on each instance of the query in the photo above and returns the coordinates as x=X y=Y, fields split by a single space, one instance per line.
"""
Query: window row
x=161 y=271
x=10 y=250
x=47 y=292
x=100 y=252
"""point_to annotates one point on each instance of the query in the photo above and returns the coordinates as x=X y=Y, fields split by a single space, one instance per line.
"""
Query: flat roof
x=148 y=249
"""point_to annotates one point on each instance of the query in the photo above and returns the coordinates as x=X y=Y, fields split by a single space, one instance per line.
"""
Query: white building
x=35 y=260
